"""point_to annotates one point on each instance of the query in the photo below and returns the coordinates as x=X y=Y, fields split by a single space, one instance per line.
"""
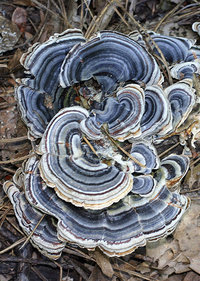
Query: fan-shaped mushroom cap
x=44 y=236
x=117 y=230
x=174 y=49
x=44 y=60
x=29 y=102
x=146 y=154
x=144 y=185
x=185 y=70
x=181 y=97
x=157 y=117
x=193 y=54
x=196 y=27
x=37 y=108
x=102 y=193
x=174 y=167
x=110 y=57
x=71 y=167
x=122 y=117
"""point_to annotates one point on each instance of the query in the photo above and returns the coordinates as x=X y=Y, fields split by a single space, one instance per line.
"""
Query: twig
x=190 y=190
x=3 y=216
x=79 y=270
x=168 y=15
x=71 y=251
x=32 y=232
x=32 y=261
x=38 y=273
x=123 y=150
x=194 y=162
x=170 y=148
x=142 y=29
x=15 y=160
x=92 y=16
x=14 y=226
x=89 y=144
x=122 y=18
x=40 y=5
x=61 y=270
x=18 y=139
x=13 y=245
x=81 y=16
x=8 y=170
x=91 y=29
x=64 y=14
x=195 y=198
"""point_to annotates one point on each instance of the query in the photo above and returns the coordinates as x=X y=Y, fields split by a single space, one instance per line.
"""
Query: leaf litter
x=26 y=22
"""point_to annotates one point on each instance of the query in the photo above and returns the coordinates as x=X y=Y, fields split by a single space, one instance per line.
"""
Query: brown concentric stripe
x=103 y=56
x=182 y=98
x=44 y=236
x=44 y=60
x=118 y=229
x=95 y=190
x=157 y=118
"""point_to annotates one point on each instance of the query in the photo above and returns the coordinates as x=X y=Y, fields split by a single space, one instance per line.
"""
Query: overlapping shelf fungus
x=97 y=109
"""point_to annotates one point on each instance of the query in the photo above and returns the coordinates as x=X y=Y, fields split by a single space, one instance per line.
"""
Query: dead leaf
x=28 y=35
x=195 y=264
x=191 y=276
x=9 y=34
x=162 y=251
x=188 y=232
x=14 y=62
x=175 y=278
x=143 y=268
x=193 y=176
x=27 y=3
x=96 y=275
x=19 y=17
x=104 y=263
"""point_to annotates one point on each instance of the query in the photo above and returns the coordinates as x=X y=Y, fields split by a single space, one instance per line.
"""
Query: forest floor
x=174 y=258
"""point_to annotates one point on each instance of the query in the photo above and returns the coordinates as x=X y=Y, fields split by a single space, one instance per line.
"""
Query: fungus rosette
x=97 y=109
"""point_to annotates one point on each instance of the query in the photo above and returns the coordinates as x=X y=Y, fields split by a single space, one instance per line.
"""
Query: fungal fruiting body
x=98 y=108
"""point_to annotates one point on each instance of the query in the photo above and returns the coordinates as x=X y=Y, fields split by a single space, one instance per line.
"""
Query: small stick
x=190 y=190
x=32 y=232
x=123 y=150
x=15 y=160
x=96 y=22
x=14 y=226
x=168 y=15
x=89 y=144
x=195 y=161
x=13 y=139
x=170 y=148
x=61 y=270
x=13 y=245
x=8 y=170
x=122 y=18
x=141 y=28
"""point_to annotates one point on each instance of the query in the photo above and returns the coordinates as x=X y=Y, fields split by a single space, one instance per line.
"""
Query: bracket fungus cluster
x=97 y=109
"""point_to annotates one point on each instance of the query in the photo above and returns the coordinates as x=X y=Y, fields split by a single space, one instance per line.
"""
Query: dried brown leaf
x=188 y=232
x=104 y=263
x=96 y=275
x=9 y=34
x=14 y=62
x=23 y=2
x=195 y=264
x=191 y=276
x=193 y=176
x=19 y=17
x=175 y=278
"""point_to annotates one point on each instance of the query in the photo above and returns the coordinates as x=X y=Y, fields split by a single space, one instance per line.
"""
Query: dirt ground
x=24 y=22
